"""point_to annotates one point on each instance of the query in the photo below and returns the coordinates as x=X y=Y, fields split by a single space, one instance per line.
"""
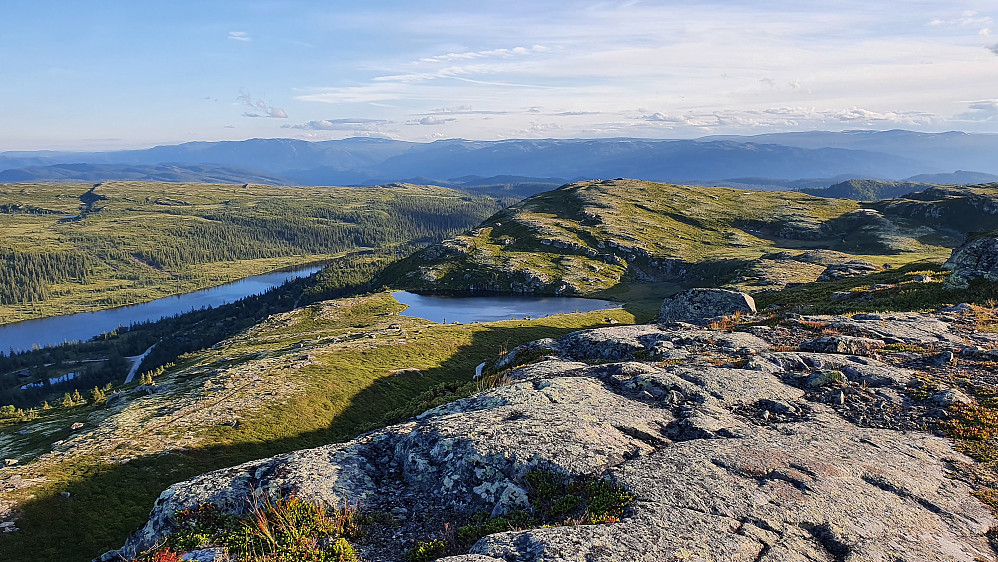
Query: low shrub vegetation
x=556 y=499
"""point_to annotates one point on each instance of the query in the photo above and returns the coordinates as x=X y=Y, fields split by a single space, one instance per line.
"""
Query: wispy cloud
x=967 y=19
x=432 y=120
x=260 y=108
x=239 y=36
x=491 y=53
x=347 y=124
x=981 y=111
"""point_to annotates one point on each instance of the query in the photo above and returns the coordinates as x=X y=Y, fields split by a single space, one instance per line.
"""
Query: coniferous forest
x=120 y=243
x=71 y=248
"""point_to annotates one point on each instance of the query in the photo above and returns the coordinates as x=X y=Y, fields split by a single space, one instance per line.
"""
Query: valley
x=325 y=359
x=79 y=248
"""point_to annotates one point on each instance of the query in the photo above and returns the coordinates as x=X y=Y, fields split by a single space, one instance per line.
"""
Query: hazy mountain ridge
x=189 y=173
x=892 y=155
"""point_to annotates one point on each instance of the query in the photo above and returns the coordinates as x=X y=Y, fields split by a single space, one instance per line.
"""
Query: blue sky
x=100 y=75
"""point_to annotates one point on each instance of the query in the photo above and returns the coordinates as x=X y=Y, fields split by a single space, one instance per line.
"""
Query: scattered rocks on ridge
x=843 y=344
x=700 y=306
x=975 y=259
x=850 y=268
x=732 y=449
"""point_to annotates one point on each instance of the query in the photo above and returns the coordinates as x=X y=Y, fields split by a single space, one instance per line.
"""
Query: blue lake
x=55 y=330
x=493 y=308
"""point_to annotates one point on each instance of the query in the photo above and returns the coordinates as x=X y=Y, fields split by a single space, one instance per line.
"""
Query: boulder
x=848 y=269
x=977 y=258
x=700 y=306
x=949 y=397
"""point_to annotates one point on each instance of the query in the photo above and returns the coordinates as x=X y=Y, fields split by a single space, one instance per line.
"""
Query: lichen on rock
x=730 y=452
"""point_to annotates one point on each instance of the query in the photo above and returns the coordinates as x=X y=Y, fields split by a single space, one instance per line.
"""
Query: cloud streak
x=240 y=36
x=260 y=108
x=346 y=124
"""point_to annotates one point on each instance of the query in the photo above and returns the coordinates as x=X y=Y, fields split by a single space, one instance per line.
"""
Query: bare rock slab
x=711 y=482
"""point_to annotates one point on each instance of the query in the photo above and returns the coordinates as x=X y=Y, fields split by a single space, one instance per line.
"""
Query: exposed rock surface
x=848 y=269
x=976 y=259
x=699 y=306
x=730 y=451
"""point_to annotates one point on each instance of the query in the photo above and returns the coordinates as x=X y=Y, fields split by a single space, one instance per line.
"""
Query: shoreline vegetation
x=79 y=248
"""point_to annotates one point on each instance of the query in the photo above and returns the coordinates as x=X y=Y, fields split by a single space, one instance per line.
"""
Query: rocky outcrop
x=733 y=454
x=700 y=306
x=976 y=259
x=851 y=268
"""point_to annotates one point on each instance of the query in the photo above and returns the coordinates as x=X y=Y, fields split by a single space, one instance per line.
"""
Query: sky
x=106 y=75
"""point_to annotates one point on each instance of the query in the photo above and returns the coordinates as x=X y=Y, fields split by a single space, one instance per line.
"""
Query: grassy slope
x=345 y=387
x=140 y=216
x=587 y=237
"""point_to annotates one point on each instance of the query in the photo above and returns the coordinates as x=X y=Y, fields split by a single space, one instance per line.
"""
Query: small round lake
x=466 y=310
x=56 y=330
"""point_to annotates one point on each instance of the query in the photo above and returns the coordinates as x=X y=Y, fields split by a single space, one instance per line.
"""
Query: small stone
x=76 y=426
x=840 y=296
x=400 y=511
x=942 y=358
x=950 y=396
x=825 y=378
x=971 y=351
x=921 y=278
x=765 y=415
x=9 y=462
x=64 y=494
x=841 y=398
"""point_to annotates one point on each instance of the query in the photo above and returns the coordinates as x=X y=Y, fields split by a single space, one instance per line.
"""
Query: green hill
x=585 y=238
x=868 y=190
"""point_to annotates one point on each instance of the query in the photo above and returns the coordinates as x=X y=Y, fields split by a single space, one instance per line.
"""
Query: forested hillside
x=69 y=248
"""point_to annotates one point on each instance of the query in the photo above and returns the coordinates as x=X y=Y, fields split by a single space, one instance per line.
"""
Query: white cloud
x=492 y=53
x=981 y=111
x=968 y=19
x=260 y=108
x=348 y=124
x=239 y=36
x=433 y=120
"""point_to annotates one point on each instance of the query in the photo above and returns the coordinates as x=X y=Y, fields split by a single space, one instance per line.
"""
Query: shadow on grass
x=109 y=501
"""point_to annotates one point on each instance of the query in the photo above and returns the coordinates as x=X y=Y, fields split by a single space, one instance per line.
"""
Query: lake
x=466 y=310
x=56 y=330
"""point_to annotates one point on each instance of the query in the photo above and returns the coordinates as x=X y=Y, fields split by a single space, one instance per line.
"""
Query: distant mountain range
x=774 y=161
x=139 y=172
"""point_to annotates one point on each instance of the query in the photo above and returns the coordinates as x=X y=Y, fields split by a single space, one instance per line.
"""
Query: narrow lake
x=493 y=308
x=55 y=330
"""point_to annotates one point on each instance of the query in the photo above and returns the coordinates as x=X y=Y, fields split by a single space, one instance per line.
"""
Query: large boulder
x=700 y=306
x=977 y=258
